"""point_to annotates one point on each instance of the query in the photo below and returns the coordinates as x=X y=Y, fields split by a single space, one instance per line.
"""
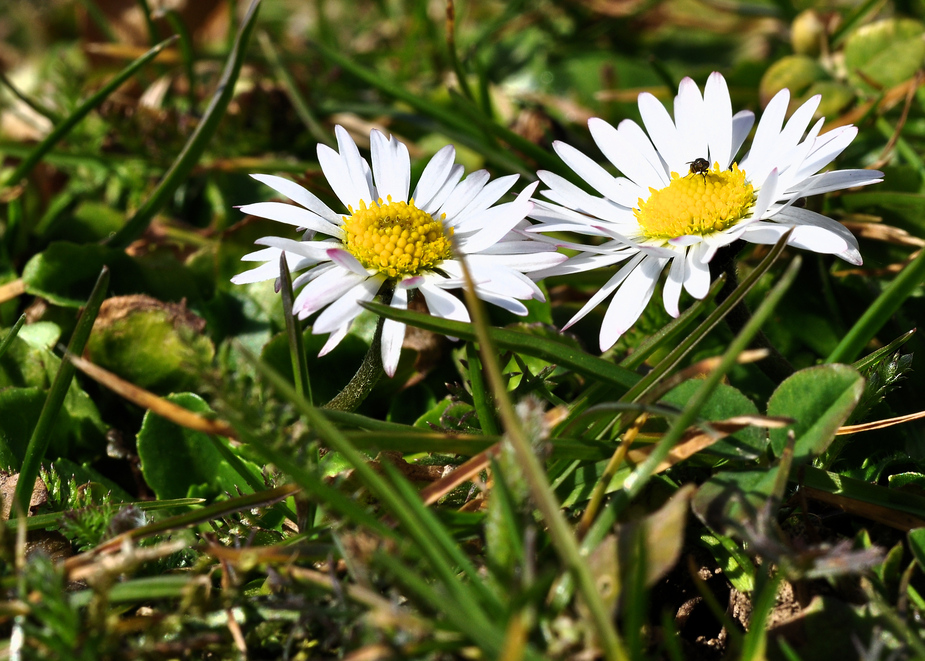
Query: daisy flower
x=388 y=239
x=683 y=195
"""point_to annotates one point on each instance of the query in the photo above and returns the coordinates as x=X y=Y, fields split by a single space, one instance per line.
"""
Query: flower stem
x=368 y=374
x=776 y=367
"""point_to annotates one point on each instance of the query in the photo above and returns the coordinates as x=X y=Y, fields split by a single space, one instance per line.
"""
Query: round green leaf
x=176 y=461
x=796 y=73
x=725 y=402
x=820 y=399
x=155 y=345
x=887 y=52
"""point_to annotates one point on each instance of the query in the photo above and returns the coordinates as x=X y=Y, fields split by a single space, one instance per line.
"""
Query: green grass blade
x=484 y=407
x=301 y=107
x=564 y=356
x=195 y=146
x=61 y=130
x=41 y=435
x=880 y=311
x=186 y=52
x=140 y=589
x=560 y=532
x=303 y=386
x=875 y=356
x=380 y=487
x=14 y=331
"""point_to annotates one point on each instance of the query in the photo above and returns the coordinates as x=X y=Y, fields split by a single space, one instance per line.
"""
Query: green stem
x=367 y=376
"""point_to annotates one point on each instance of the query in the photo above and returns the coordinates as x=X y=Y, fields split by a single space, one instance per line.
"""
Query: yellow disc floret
x=696 y=204
x=396 y=238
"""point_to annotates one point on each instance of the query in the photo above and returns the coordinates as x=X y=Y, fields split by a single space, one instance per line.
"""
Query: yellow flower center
x=696 y=204
x=395 y=238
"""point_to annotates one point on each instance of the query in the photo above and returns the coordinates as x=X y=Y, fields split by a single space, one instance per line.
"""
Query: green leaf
x=176 y=461
x=887 y=52
x=732 y=499
x=795 y=72
x=917 y=544
x=725 y=402
x=157 y=346
x=820 y=399
x=64 y=273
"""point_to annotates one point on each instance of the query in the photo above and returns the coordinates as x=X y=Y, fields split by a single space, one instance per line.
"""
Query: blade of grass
x=482 y=399
x=53 y=519
x=61 y=130
x=879 y=311
x=186 y=52
x=530 y=345
x=14 y=331
x=451 y=50
x=882 y=352
x=490 y=638
x=644 y=471
x=41 y=435
x=460 y=126
x=140 y=589
x=385 y=492
x=301 y=107
x=149 y=22
x=738 y=295
x=303 y=385
x=38 y=107
x=561 y=535
x=195 y=146
x=99 y=19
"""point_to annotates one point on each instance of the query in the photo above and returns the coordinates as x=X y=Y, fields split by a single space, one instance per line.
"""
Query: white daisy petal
x=742 y=123
x=327 y=288
x=346 y=308
x=671 y=293
x=391 y=167
x=615 y=281
x=697 y=271
x=434 y=176
x=619 y=151
x=690 y=119
x=441 y=196
x=467 y=190
x=393 y=333
x=443 y=304
x=718 y=107
x=345 y=260
x=489 y=195
x=599 y=179
x=661 y=128
x=630 y=300
x=292 y=215
x=334 y=339
x=299 y=195
x=356 y=168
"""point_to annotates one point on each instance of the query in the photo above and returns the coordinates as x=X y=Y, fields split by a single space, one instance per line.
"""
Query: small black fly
x=700 y=166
